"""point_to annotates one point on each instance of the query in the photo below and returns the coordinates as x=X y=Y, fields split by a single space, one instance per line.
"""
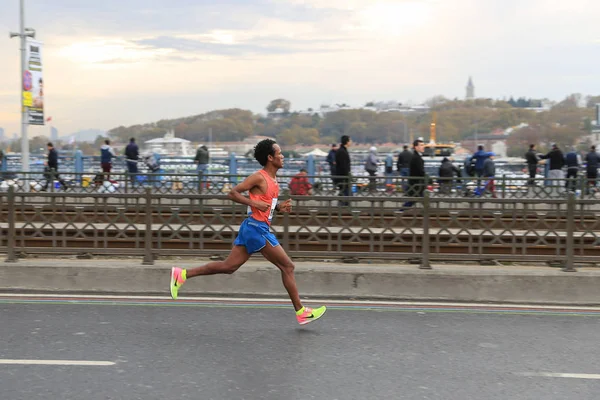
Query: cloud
x=243 y=52
x=259 y=46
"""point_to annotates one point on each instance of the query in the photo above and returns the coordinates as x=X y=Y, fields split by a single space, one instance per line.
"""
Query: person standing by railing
x=107 y=153
x=331 y=161
x=592 y=160
x=343 y=168
x=573 y=161
x=371 y=165
x=416 y=181
x=447 y=172
x=479 y=158
x=489 y=173
x=403 y=165
x=51 y=170
x=132 y=155
x=299 y=184
x=202 y=159
x=557 y=162
x=531 y=158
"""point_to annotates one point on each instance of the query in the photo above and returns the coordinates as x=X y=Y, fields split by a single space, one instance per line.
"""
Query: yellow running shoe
x=177 y=280
x=307 y=315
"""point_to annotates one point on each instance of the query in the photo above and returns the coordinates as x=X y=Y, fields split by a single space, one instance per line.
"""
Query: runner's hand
x=286 y=206
x=261 y=205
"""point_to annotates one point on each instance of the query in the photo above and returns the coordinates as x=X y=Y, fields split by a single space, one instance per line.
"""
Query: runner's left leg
x=280 y=259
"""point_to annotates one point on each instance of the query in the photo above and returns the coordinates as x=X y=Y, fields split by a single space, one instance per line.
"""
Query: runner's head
x=268 y=151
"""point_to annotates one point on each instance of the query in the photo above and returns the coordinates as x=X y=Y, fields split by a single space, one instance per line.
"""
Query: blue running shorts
x=254 y=235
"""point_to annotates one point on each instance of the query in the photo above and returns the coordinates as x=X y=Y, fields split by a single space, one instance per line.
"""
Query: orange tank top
x=269 y=197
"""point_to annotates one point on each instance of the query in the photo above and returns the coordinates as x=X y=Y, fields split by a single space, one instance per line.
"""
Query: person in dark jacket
x=403 y=165
x=592 y=159
x=531 y=158
x=202 y=159
x=132 y=155
x=447 y=172
x=416 y=173
x=557 y=162
x=573 y=162
x=107 y=153
x=343 y=167
x=479 y=158
x=489 y=172
x=51 y=170
x=331 y=161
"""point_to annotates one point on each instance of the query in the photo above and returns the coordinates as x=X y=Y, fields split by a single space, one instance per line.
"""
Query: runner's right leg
x=235 y=260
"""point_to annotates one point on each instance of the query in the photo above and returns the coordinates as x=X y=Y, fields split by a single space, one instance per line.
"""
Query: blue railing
x=232 y=165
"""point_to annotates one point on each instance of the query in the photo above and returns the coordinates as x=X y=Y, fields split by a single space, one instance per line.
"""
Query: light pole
x=23 y=33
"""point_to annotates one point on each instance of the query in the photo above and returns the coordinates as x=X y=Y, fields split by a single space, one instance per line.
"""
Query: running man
x=254 y=235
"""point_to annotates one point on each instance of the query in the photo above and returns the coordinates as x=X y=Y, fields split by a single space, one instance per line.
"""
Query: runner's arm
x=250 y=182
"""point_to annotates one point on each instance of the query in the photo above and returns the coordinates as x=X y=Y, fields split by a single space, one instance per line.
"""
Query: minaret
x=470 y=89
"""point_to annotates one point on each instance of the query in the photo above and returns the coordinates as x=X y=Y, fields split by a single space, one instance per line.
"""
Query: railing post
x=570 y=251
x=389 y=170
x=200 y=175
x=310 y=168
x=233 y=169
x=4 y=164
x=148 y=258
x=78 y=165
x=286 y=232
x=425 y=245
x=11 y=241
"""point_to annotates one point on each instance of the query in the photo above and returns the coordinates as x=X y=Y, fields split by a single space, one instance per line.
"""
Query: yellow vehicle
x=433 y=149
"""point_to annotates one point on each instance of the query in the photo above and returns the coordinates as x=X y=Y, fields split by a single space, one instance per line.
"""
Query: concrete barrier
x=541 y=285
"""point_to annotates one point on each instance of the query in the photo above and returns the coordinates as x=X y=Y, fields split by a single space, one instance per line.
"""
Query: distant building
x=53 y=134
x=277 y=114
x=378 y=107
x=470 y=89
x=1 y=134
x=169 y=145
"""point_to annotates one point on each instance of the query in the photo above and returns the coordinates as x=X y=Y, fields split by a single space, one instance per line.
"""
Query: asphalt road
x=200 y=350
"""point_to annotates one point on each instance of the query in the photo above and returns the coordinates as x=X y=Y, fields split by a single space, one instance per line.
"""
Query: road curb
x=494 y=285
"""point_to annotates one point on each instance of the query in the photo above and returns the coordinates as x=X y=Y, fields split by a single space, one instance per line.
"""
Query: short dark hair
x=480 y=147
x=593 y=148
x=263 y=150
x=333 y=144
x=405 y=147
x=345 y=139
x=416 y=142
x=50 y=144
x=107 y=141
x=303 y=170
x=531 y=146
x=132 y=140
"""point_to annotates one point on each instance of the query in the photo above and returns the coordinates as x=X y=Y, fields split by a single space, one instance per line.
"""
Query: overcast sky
x=121 y=62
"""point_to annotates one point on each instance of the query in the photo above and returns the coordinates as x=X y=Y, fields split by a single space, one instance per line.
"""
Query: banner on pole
x=33 y=83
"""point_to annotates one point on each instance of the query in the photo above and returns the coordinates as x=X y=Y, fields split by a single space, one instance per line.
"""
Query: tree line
x=563 y=122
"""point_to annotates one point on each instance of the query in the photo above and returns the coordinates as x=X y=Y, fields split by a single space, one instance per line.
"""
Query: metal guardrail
x=379 y=186
x=151 y=225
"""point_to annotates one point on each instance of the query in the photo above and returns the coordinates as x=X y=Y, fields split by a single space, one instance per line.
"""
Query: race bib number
x=273 y=205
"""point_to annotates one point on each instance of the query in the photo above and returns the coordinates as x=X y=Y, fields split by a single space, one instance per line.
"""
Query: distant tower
x=1 y=134
x=53 y=134
x=470 y=89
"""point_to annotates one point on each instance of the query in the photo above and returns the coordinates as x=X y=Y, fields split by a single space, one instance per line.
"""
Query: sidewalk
x=460 y=283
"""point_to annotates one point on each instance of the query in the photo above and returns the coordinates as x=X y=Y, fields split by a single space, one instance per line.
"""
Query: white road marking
x=561 y=375
x=57 y=362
